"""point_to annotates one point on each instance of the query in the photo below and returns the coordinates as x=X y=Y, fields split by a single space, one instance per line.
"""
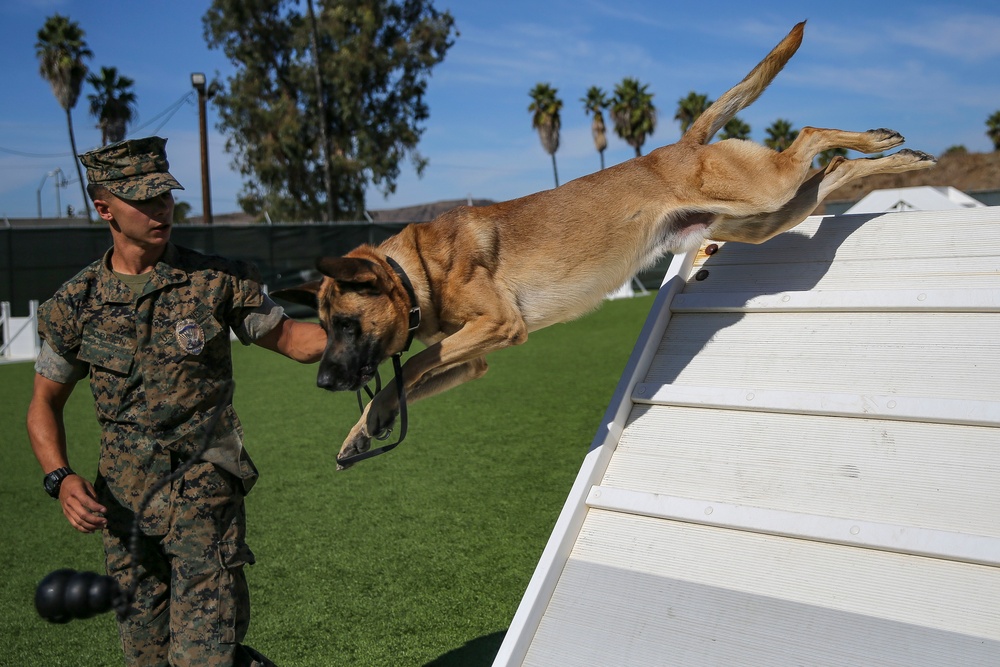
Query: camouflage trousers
x=192 y=605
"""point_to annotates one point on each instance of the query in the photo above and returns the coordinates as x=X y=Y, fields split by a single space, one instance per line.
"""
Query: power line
x=38 y=155
x=168 y=112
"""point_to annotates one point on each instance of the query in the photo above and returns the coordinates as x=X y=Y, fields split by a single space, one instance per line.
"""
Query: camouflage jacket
x=159 y=365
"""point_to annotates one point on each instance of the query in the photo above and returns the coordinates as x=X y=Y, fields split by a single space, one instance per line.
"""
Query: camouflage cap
x=135 y=169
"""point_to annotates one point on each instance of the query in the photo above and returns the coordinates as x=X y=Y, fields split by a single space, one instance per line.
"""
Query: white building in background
x=921 y=198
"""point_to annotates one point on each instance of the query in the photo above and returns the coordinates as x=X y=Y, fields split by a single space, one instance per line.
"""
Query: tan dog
x=484 y=278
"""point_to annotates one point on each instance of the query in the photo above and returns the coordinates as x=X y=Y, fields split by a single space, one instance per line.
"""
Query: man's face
x=146 y=222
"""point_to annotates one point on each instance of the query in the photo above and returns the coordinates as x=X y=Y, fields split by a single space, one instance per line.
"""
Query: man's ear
x=103 y=210
x=351 y=272
x=306 y=294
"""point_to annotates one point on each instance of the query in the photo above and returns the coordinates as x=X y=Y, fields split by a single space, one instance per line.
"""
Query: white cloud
x=969 y=37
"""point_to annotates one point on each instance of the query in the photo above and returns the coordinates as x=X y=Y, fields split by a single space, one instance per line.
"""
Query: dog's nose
x=326 y=380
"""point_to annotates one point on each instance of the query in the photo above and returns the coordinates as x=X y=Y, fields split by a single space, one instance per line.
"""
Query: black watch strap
x=54 y=480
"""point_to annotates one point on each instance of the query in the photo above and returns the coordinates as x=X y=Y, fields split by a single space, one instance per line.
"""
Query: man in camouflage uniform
x=150 y=324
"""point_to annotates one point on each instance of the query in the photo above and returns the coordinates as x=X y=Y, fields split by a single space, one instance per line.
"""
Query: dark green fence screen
x=35 y=261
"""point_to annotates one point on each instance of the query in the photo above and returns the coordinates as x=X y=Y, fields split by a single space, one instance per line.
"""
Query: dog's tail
x=746 y=91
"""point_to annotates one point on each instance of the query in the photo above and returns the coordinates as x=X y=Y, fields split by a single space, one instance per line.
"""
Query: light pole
x=57 y=172
x=198 y=81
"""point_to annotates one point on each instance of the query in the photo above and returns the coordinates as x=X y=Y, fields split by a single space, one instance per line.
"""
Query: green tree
x=373 y=58
x=780 y=135
x=61 y=50
x=957 y=148
x=689 y=108
x=545 y=107
x=112 y=104
x=735 y=129
x=993 y=129
x=182 y=210
x=633 y=112
x=595 y=103
x=825 y=157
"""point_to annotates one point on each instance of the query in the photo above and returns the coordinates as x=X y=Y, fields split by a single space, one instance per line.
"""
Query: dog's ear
x=306 y=294
x=350 y=272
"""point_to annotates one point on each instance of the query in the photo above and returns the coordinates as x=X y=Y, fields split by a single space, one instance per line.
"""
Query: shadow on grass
x=479 y=652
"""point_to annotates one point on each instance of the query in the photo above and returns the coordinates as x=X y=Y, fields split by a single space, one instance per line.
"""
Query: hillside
x=968 y=172
x=423 y=212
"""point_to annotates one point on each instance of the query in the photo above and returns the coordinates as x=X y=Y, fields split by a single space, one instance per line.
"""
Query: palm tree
x=825 y=157
x=545 y=108
x=595 y=103
x=993 y=129
x=780 y=135
x=182 y=210
x=735 y=129
x=689 y=108
x=633 y=113
x=61 y=50
x=113 y=104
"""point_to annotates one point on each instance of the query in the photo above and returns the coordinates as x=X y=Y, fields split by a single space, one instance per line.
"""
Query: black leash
x=121 y=606
x=397 y=369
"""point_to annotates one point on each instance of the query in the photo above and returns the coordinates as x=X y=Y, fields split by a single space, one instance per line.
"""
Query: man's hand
x=79 y=504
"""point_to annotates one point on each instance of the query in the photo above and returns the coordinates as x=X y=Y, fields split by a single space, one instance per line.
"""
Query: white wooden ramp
x=800 y=466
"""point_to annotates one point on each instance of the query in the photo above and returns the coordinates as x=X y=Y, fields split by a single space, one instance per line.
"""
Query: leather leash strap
x=397 y=368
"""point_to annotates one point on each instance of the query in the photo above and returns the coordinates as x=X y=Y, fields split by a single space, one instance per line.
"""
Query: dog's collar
x=414 y=322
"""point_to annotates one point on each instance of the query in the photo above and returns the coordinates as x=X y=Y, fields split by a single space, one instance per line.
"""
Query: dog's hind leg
x=840 y=172
x=795 y=162
x=741 y=179
x=812 y=141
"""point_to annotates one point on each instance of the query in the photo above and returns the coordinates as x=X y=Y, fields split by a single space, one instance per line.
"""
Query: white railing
x=20 y=334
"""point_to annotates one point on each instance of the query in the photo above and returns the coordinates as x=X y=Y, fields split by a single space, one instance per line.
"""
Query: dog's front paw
x=358 y=442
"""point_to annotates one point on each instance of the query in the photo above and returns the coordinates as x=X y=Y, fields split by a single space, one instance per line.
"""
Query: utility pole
x=198 y=81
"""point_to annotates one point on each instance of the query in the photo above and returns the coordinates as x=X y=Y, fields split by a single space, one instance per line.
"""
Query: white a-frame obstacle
x=800 y=465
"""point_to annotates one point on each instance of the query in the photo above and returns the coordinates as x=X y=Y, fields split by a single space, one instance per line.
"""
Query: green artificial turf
x=417 y=557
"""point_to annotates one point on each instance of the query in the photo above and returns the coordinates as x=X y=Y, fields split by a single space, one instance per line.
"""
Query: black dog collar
x=414 y=322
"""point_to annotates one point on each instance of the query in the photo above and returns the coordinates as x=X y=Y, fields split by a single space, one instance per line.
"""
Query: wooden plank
x=915 y=300
x=867 y=406
x=889 y=273
x=872 y=239
x=912 y=540
x=937 y=476
x=642 y=591
x=931 y=355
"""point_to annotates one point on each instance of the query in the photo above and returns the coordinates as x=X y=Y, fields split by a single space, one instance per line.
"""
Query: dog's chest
x=566 y=299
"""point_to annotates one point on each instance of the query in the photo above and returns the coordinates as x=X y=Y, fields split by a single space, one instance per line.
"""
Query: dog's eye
x=345 y=326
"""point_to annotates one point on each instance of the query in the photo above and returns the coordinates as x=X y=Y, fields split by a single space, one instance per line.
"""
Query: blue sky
x=930 y=70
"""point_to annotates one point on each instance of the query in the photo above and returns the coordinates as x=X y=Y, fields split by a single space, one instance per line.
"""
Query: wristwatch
x=54 y=480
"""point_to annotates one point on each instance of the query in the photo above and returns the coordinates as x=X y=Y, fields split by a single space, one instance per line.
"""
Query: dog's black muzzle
x=337 y=377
